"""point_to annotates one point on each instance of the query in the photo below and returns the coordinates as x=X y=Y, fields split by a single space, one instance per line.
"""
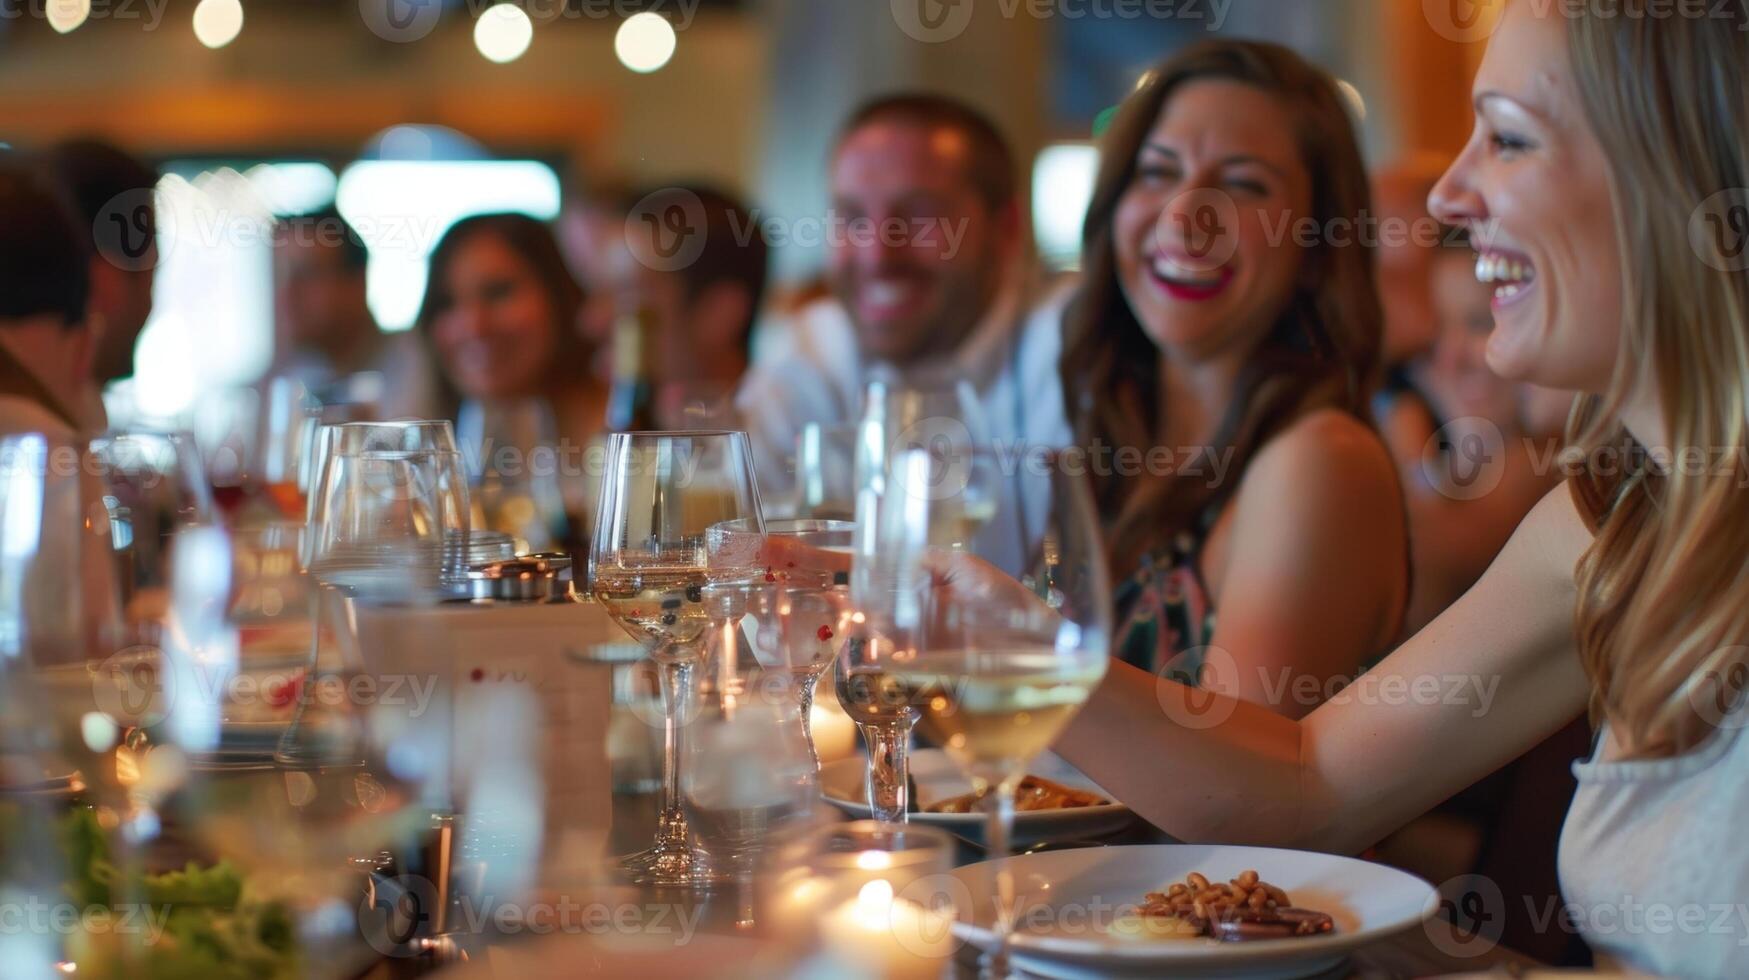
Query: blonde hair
x=1663 y=591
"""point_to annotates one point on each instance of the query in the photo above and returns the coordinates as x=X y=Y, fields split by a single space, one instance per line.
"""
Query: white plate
x=1067 y=897
x=937 y=778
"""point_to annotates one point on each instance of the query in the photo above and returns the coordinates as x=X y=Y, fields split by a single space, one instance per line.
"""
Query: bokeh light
x=503 y=33
x=66 y=15
x=218 y=22
x=645 y=42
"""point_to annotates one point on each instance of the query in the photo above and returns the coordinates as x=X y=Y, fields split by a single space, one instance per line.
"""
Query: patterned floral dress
x=1164 y=614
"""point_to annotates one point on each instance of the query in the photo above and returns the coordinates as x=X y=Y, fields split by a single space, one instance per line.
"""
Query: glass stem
x=805 y=703
x=889 y=770
x=996 y=833
x=677 y=679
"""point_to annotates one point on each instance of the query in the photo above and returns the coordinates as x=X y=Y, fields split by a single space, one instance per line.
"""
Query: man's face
x=916 y=255
x=123 y=300
x=317 y=299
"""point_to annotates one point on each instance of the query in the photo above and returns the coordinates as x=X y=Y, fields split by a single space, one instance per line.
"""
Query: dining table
x=715 y=942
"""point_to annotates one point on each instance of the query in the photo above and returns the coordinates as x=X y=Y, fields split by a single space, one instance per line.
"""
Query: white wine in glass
x=996 y=667
x=651 y=567
x=995 y=710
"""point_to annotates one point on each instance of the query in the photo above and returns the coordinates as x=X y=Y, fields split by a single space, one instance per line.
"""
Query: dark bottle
x=631 y=402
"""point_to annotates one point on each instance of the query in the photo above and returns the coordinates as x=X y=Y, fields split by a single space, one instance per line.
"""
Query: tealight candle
x=888 y=937
x=834 y=732
x=862 y=895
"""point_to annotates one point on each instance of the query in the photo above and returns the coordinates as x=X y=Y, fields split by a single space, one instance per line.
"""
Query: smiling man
x=928 y=282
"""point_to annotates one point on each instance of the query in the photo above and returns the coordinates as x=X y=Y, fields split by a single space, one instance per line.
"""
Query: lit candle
x=888 y=937
x=834 y=732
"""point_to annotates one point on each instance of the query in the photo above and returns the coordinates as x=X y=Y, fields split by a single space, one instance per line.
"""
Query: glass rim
x=676 y=434
x=390 y=424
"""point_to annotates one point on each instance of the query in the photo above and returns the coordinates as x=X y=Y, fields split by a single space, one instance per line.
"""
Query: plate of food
x=1055 y=803
x=1170 y=910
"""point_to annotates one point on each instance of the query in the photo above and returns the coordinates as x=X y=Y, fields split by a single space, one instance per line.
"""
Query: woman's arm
x=1490 y=678
x=1314 y=576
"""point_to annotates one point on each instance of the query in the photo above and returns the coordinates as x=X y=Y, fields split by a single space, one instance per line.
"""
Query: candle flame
x=875 y=902
x=874 y=860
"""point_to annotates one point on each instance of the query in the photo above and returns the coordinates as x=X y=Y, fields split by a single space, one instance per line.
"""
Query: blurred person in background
x=500 y=316
x=1409 y=238
x=590 y=230
x=927 y=264
x=45 y=342
x=1272 y=544
x=325 y=335
x=112 y=197
x=696 y=326
x=1482 y=465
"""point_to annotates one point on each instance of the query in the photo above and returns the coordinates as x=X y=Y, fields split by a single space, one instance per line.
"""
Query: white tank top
x=1654 y=858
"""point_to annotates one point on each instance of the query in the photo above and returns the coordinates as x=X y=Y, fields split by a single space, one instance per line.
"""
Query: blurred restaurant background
x=411 y=114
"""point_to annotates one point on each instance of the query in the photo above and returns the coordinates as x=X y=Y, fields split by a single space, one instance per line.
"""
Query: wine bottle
x=631 y=400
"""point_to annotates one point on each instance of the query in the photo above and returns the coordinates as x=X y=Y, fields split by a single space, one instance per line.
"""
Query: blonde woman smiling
x=1600 y=142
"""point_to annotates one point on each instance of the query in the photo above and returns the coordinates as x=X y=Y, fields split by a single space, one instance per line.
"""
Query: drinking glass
x=389 y=497
x=80 y=690
x=649 y=566
x=60 y=610
x=826 y=472
x=388 y=523
x=276 y=454
x=748 y=782
x=153 y=485
x=944 y=417
x=691 y=404
x=801 y=607
x=342 y=785
x=996 y=667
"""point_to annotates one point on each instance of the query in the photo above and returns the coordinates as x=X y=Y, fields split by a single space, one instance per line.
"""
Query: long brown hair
x=1663 y=591
x=1323 y=349
x=533 y=242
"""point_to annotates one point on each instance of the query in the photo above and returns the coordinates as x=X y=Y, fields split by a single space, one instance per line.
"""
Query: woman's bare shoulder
x=1327 y=451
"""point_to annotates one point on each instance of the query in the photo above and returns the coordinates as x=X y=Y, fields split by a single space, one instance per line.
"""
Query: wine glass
x=389 y=493
x=649 y=565
x=826 y=472
x=79 y=693
x=276 y=455
x=153 y=484
x=944 y=416
x=748 y=781
x=388 y=523
x=60 y=604
x=343 y=784
x=996 y=667
x=884 y=596
x=801 y=608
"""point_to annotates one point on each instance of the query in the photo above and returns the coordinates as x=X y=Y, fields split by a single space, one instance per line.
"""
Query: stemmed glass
x=286 y=407
x=996 y=667
x=344 y=785
x=661 y=492
x=801 y=608
x=77 y=692
x=747 y=783
x=388 y=523
x=884 y=596
x=826 y=472
x=941 y=415
x=386 y=494
x=153 y=484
